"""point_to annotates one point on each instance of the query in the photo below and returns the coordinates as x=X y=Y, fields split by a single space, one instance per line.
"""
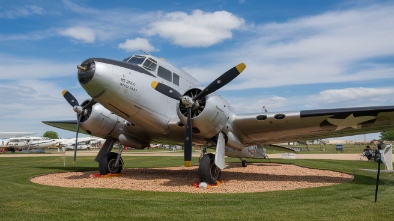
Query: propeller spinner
x=191 y=102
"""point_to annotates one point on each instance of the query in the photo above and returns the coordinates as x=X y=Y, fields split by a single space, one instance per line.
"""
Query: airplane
x=4 y=142
x=30 y=143
x=145 y=99
x=5 y=137
x=83 y=143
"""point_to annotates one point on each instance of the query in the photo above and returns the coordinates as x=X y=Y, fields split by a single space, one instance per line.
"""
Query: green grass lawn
x=22 y=200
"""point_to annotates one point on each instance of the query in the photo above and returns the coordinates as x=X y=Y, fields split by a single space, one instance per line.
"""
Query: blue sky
x=299 y=54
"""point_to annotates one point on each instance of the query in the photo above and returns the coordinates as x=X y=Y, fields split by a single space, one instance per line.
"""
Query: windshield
x=136 y=59
x=150 y=64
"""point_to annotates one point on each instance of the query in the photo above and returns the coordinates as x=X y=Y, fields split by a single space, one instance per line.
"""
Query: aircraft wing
x=281 y=127
x=70 y=125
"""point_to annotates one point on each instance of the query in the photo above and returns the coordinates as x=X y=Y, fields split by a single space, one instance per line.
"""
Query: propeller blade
x=70 y=98
x=166 y=90
x=76 y=139
x=188 y=140
x=222 y=80
x=377 y=177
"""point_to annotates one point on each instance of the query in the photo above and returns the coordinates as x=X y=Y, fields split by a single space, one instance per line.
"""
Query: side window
x=175 y=79
x=150 y=64
x=164 y=73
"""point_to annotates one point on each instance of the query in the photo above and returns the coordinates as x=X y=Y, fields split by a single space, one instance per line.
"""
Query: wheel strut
x=203 y=152
x=121 y=148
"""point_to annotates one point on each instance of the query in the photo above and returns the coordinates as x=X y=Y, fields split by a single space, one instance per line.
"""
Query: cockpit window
x=136 y=59
x=126 y=59
x=150 y=64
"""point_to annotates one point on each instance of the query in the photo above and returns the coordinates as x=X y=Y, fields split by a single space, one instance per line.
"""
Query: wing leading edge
x=280 y=127
x=70 y=125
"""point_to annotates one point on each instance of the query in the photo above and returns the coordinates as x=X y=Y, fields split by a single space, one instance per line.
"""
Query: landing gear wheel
x=107 y=164
x=208 y=171
x=244 y=163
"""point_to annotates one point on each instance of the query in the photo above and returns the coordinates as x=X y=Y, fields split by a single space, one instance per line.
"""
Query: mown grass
x=22 y=200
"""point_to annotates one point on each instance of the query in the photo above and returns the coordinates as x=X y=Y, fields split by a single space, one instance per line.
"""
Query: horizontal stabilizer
x=279 y=147
x=248 y=152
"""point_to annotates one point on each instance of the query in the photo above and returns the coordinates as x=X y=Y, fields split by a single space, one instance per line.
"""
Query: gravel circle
x=256 y=177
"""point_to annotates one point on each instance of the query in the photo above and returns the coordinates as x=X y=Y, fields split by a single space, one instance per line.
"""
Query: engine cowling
x=209 y=115
x=98 y=121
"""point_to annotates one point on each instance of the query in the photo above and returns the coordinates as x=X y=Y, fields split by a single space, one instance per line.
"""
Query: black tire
x=244 y=163
x=208 y=171
x=107 y=164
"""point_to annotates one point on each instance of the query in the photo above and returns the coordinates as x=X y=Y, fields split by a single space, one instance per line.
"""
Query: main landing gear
x=109 y=162
x=208 y=171
x=112 y=163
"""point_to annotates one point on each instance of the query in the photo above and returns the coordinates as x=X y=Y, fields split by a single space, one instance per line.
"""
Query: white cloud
x=271 y=102
x=25 y=103
x=22 y=11
x=91 y=25
x=105 y=25
x=86 y=35
x=14 y=68
x=332 y=98
x=350 y=96
x=338 y=46
x=199 y=29
x=137 y=44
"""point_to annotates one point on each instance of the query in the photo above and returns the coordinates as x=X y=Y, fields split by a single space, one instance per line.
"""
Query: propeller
x=379 y=159
x=193 y=102
x=81 y=112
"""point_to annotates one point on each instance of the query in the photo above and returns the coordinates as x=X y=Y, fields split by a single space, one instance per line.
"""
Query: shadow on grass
x=371 y=180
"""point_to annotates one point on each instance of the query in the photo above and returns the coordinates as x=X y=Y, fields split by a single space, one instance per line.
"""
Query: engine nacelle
x=132 y=142
x=99 y=121
x=209 y=118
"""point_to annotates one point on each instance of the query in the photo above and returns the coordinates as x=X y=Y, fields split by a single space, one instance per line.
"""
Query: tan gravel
x=256 y=177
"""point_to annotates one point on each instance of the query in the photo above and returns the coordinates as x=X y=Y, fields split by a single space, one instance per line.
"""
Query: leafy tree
x=387 y=135
x=51 y=134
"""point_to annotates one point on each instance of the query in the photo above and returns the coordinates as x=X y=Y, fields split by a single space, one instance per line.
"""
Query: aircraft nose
x=86 y=71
